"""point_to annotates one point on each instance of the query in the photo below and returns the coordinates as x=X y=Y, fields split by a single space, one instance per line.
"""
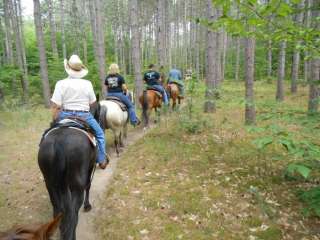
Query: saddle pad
x=90 y=136
x=118 y=101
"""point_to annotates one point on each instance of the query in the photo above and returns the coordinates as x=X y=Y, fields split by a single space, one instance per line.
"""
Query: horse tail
x=145 y=104
x=103 y=117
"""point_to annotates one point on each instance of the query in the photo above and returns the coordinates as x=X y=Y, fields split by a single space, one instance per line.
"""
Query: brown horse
x=34 y=232
x=173 y=90
x=150 y=99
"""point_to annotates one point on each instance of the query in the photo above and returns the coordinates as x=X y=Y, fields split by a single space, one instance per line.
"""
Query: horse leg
x=86 y=205
x=121 y=140
x=174 y=102
x=77 y=200
x=125 y=130
x=116 y=142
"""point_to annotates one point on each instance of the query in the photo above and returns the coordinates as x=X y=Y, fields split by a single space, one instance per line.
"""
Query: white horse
x=114 y=118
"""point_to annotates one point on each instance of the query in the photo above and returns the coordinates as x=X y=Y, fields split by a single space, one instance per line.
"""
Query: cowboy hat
x=74 y=67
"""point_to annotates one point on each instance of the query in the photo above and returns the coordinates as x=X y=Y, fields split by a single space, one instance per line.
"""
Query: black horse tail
x=64 y=200
x=103 y=117
x=145 y=106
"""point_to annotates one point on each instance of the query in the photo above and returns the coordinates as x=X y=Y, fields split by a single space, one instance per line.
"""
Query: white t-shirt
x=74 y=94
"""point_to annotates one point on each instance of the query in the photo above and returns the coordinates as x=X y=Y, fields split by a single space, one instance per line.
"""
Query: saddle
x=155 y=90
x=117 y=101
x=74 y=123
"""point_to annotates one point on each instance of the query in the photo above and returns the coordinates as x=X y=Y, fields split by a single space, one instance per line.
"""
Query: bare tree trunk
x=307 y=69
x=315 y=67
x=42 y=53
x=269 y=68
x=63 y=36
x=135 y=46
x=211 y=68
x=224 y=54
x=250 y=113
x=20 y=50
x=8 y=34
x=237 y=70
x=97 y=25
x=296 y=54
x=160 y=32
x=52 y=30
x=281 y=72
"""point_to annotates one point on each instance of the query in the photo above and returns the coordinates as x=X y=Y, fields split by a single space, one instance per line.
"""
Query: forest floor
x=204 y=178
x=188 y=178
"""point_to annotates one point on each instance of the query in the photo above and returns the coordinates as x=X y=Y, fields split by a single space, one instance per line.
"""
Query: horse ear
x=97 y=97
x=49 y=229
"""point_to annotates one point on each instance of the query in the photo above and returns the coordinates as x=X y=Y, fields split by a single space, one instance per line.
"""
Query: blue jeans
x=163 y=92
x=132 y=114
x=99 y=134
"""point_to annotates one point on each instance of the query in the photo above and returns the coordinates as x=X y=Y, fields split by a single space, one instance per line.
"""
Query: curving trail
x=86 y=227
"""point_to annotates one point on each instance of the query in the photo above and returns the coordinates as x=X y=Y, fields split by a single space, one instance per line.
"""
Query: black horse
x=67 y=161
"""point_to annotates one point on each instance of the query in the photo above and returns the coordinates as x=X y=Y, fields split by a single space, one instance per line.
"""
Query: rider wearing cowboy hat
x=73 y=96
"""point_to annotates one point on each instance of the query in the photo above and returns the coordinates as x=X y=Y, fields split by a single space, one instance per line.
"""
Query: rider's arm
x=55 y=109
x=124 y=87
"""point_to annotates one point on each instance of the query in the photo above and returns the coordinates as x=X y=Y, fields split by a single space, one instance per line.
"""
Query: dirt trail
x=86 y=229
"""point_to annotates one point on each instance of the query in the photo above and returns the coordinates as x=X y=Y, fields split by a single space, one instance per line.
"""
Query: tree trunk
x=211 y=68
x=8 y=33
x=250 y=113
x=19 y=50
x=237 y=70
x=135 y=47
x=42 y=53
x=315 y=66
x=52 y=30
x=63 y=36
x=296 y=54
x=306 y=69
x=97 y=25
x=281 y=72
x=269 y=68
x=161 y=32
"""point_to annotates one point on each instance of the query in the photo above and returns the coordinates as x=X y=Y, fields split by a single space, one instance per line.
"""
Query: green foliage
x=298 y=168
x=312 y=199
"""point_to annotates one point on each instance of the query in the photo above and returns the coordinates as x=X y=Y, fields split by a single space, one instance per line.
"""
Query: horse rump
x=66 y=160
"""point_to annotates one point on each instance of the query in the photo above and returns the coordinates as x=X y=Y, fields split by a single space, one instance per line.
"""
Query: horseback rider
x=116 y=87
x=152 y=79
x=175 y=76
x=72 y=97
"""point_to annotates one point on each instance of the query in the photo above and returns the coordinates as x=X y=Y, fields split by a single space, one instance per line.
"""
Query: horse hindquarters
x=65 y=171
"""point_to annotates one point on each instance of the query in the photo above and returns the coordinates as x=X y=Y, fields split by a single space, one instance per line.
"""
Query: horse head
x=39 y=232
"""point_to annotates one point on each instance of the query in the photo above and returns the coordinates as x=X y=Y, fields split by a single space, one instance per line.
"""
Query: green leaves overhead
x=273 y=19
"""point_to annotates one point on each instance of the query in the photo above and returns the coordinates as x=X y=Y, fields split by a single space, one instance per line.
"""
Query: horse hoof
x=87 y=208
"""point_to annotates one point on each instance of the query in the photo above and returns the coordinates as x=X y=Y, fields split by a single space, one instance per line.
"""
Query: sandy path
x=86 y=229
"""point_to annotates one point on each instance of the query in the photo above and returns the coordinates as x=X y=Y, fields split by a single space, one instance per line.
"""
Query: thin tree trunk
x=211 y=67
x=63 y=37
x=296 y=54
x=269 y=68
x=160 y=32
x=52 y=30
x=315 y=66
x=8 y=34
x=135 y=45
x=306 y=69
x=42 y=53
x=19 y=50
x=237 y=70
x=281 y=72
x=250 y=113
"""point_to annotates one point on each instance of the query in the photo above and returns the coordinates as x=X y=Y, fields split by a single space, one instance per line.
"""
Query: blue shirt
x=152 y=77
x=175 y=74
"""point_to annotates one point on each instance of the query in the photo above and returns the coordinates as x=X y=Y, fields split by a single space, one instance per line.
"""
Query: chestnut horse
x=150 y=99
x=34 y=232
x=173 y=90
